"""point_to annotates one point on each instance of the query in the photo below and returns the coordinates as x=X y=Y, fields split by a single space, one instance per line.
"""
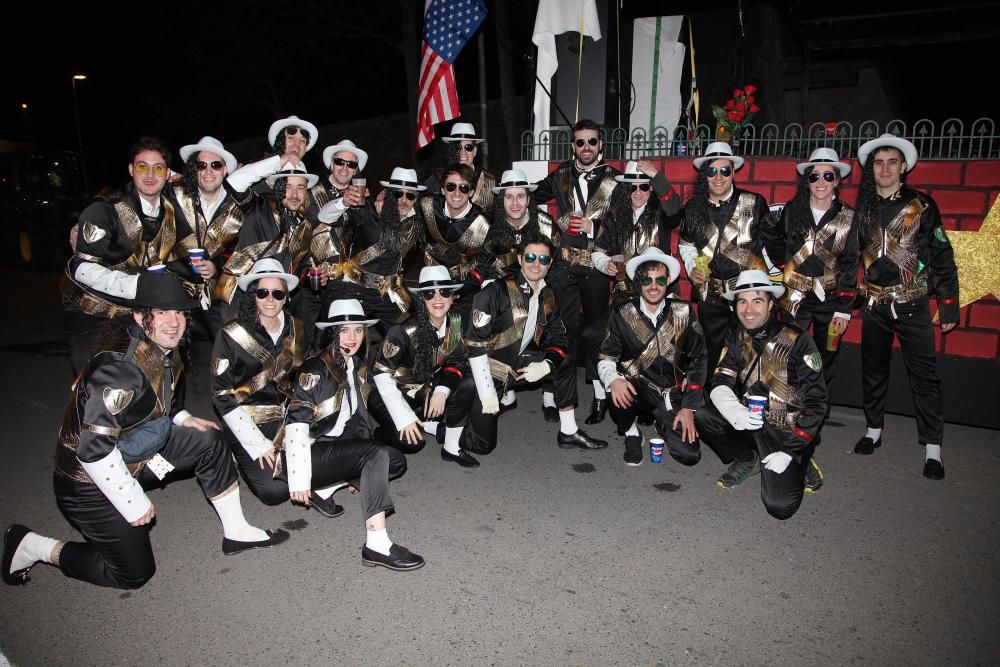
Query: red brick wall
x=964 y=191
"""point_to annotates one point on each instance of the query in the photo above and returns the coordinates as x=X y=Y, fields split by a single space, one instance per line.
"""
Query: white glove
x=776 y=462
x=491 y=405
x=536 y=370
x=484 y=384
x=747 y=421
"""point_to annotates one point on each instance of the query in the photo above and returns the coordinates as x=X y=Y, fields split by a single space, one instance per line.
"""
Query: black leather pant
x=687 y=453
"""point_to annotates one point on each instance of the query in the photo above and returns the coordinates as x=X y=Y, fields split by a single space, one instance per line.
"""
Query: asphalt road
x=541 y=556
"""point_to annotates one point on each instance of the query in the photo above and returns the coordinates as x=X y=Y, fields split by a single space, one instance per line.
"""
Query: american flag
x=448 y=25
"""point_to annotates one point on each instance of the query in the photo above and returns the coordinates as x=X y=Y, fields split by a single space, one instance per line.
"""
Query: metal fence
x=949 y=141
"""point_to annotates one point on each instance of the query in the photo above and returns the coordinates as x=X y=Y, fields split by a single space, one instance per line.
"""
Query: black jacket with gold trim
x=217 y=237
x=397 y=356
x=669 y=357
x=496 y=326
x=368 y=252
x=454 y=243
x=734 y=236
x=498 y=256
x=779 y=361
x=321 y=392
x=117 y=392
x=482 y=195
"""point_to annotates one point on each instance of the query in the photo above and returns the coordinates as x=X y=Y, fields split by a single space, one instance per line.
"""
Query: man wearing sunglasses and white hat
x=903 y=248
x=728 y=226
x=382 y=232
x=463 y=147
x=207 y=217
x=768 y=399
x=653 y=360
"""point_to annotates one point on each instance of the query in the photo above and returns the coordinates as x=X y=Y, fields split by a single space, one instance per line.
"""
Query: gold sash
x=275 y=369
x=900 y=238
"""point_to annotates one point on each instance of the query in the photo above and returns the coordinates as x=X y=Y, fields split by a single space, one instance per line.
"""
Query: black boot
x=598 y=411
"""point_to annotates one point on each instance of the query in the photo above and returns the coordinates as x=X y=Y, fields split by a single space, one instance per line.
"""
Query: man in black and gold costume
x=463 y=148
x=653 y=360
x=903 y=246
x=765 y=357
x=583 y=184
x=515 y=337
x=211 y=215
x=126 y=431
x=727 y=225
x=120 y=235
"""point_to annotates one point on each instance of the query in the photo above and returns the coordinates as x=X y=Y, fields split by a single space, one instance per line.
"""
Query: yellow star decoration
x=977 y=255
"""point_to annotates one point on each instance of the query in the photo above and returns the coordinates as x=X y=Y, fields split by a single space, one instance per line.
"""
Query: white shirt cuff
x=112 y=477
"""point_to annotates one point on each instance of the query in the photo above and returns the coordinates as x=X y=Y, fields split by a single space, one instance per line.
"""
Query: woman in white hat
x=329 y=433
x=820 y=254
x=422 y=372
x=253 y=365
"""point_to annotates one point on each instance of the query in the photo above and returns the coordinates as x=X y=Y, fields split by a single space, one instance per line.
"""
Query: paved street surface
x=541 y=556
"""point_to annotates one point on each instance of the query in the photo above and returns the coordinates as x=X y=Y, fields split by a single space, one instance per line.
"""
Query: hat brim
x=330 y=151
x=530 y=187
x=735 y=159
x=428 y=288
x=907 y=148
x=673 y=266
x=327 y=325
x=454 y=140
x=311 y=179
x=272 y=134
x=396 y=186
x=192 y=149
x=633 y=178
x=842 y=168
x=776 y=290
x=291 y=282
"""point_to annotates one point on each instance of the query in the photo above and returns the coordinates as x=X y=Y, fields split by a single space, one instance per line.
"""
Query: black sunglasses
x=293 y=130
x=648 y=280
x=278 y=294
x=216 y=165
x=827 y=176
x=468 y=148
x=725 y=171
x=464 y=188
x=445 y=293
x=530 y=258
x=412 y=196
x=593 y=141
x=641 y=186
x=340 y=162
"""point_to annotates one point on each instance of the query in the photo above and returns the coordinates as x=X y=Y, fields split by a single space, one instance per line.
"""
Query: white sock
x=452 y=435
x=509 y=397
x=599 y=392
x=633 y=430
x=431 y=428
x=932 y=452
x=330 y=490
x=567 y=422
x=378 y=540
x=548 y=399
x=234 y=524
x=873 y=433
x=33 y=548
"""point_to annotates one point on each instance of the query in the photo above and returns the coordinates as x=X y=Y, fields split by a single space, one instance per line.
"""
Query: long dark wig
x=424 y=341
x=500 y=239
x=798 y=210
x=391 y=223
x=620 y=225
x=115 y=334
x=867 y=194
x=248 y=317
x=696 y=207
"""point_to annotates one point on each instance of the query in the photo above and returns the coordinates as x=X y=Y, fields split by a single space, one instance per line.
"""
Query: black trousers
x=456 y=413
x=912 y=324
x=781 y=494
x=583 y=299
x=115 y=553
x=307 y=305
x=365 y=463
x=715 y=315
x=646 y=401
x=480 y=436
x=818 y=315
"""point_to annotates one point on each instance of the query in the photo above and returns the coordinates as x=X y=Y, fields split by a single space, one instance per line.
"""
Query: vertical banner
x=657 y=64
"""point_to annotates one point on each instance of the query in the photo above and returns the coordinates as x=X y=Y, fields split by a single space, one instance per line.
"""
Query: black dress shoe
x=579 y=440
x=933 y=469
x=507 y=408
x=274 y=538
x=400 y=559
x=645 y=419
x=11 y=541
x=866 y=446
x=328 y=508
x=598 y=411
x=551 y=414
x=463 y=458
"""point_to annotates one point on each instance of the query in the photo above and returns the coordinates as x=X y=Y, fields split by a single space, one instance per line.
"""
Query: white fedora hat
x=403 y=179
x=888 y=140
x=653 y=254
x=462 y=132
x=632 y=174
x=268 y=267
x=211 y=145
x=826 y=156
x=754 y=280
x=345 y=311
x=435 y=277
x=716 y=150
x=292 y=121
x=514 y=178
x=346 y=146
x=288 y=169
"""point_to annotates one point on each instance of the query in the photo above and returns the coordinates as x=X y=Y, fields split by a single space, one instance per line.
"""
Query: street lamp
x=79 y=132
